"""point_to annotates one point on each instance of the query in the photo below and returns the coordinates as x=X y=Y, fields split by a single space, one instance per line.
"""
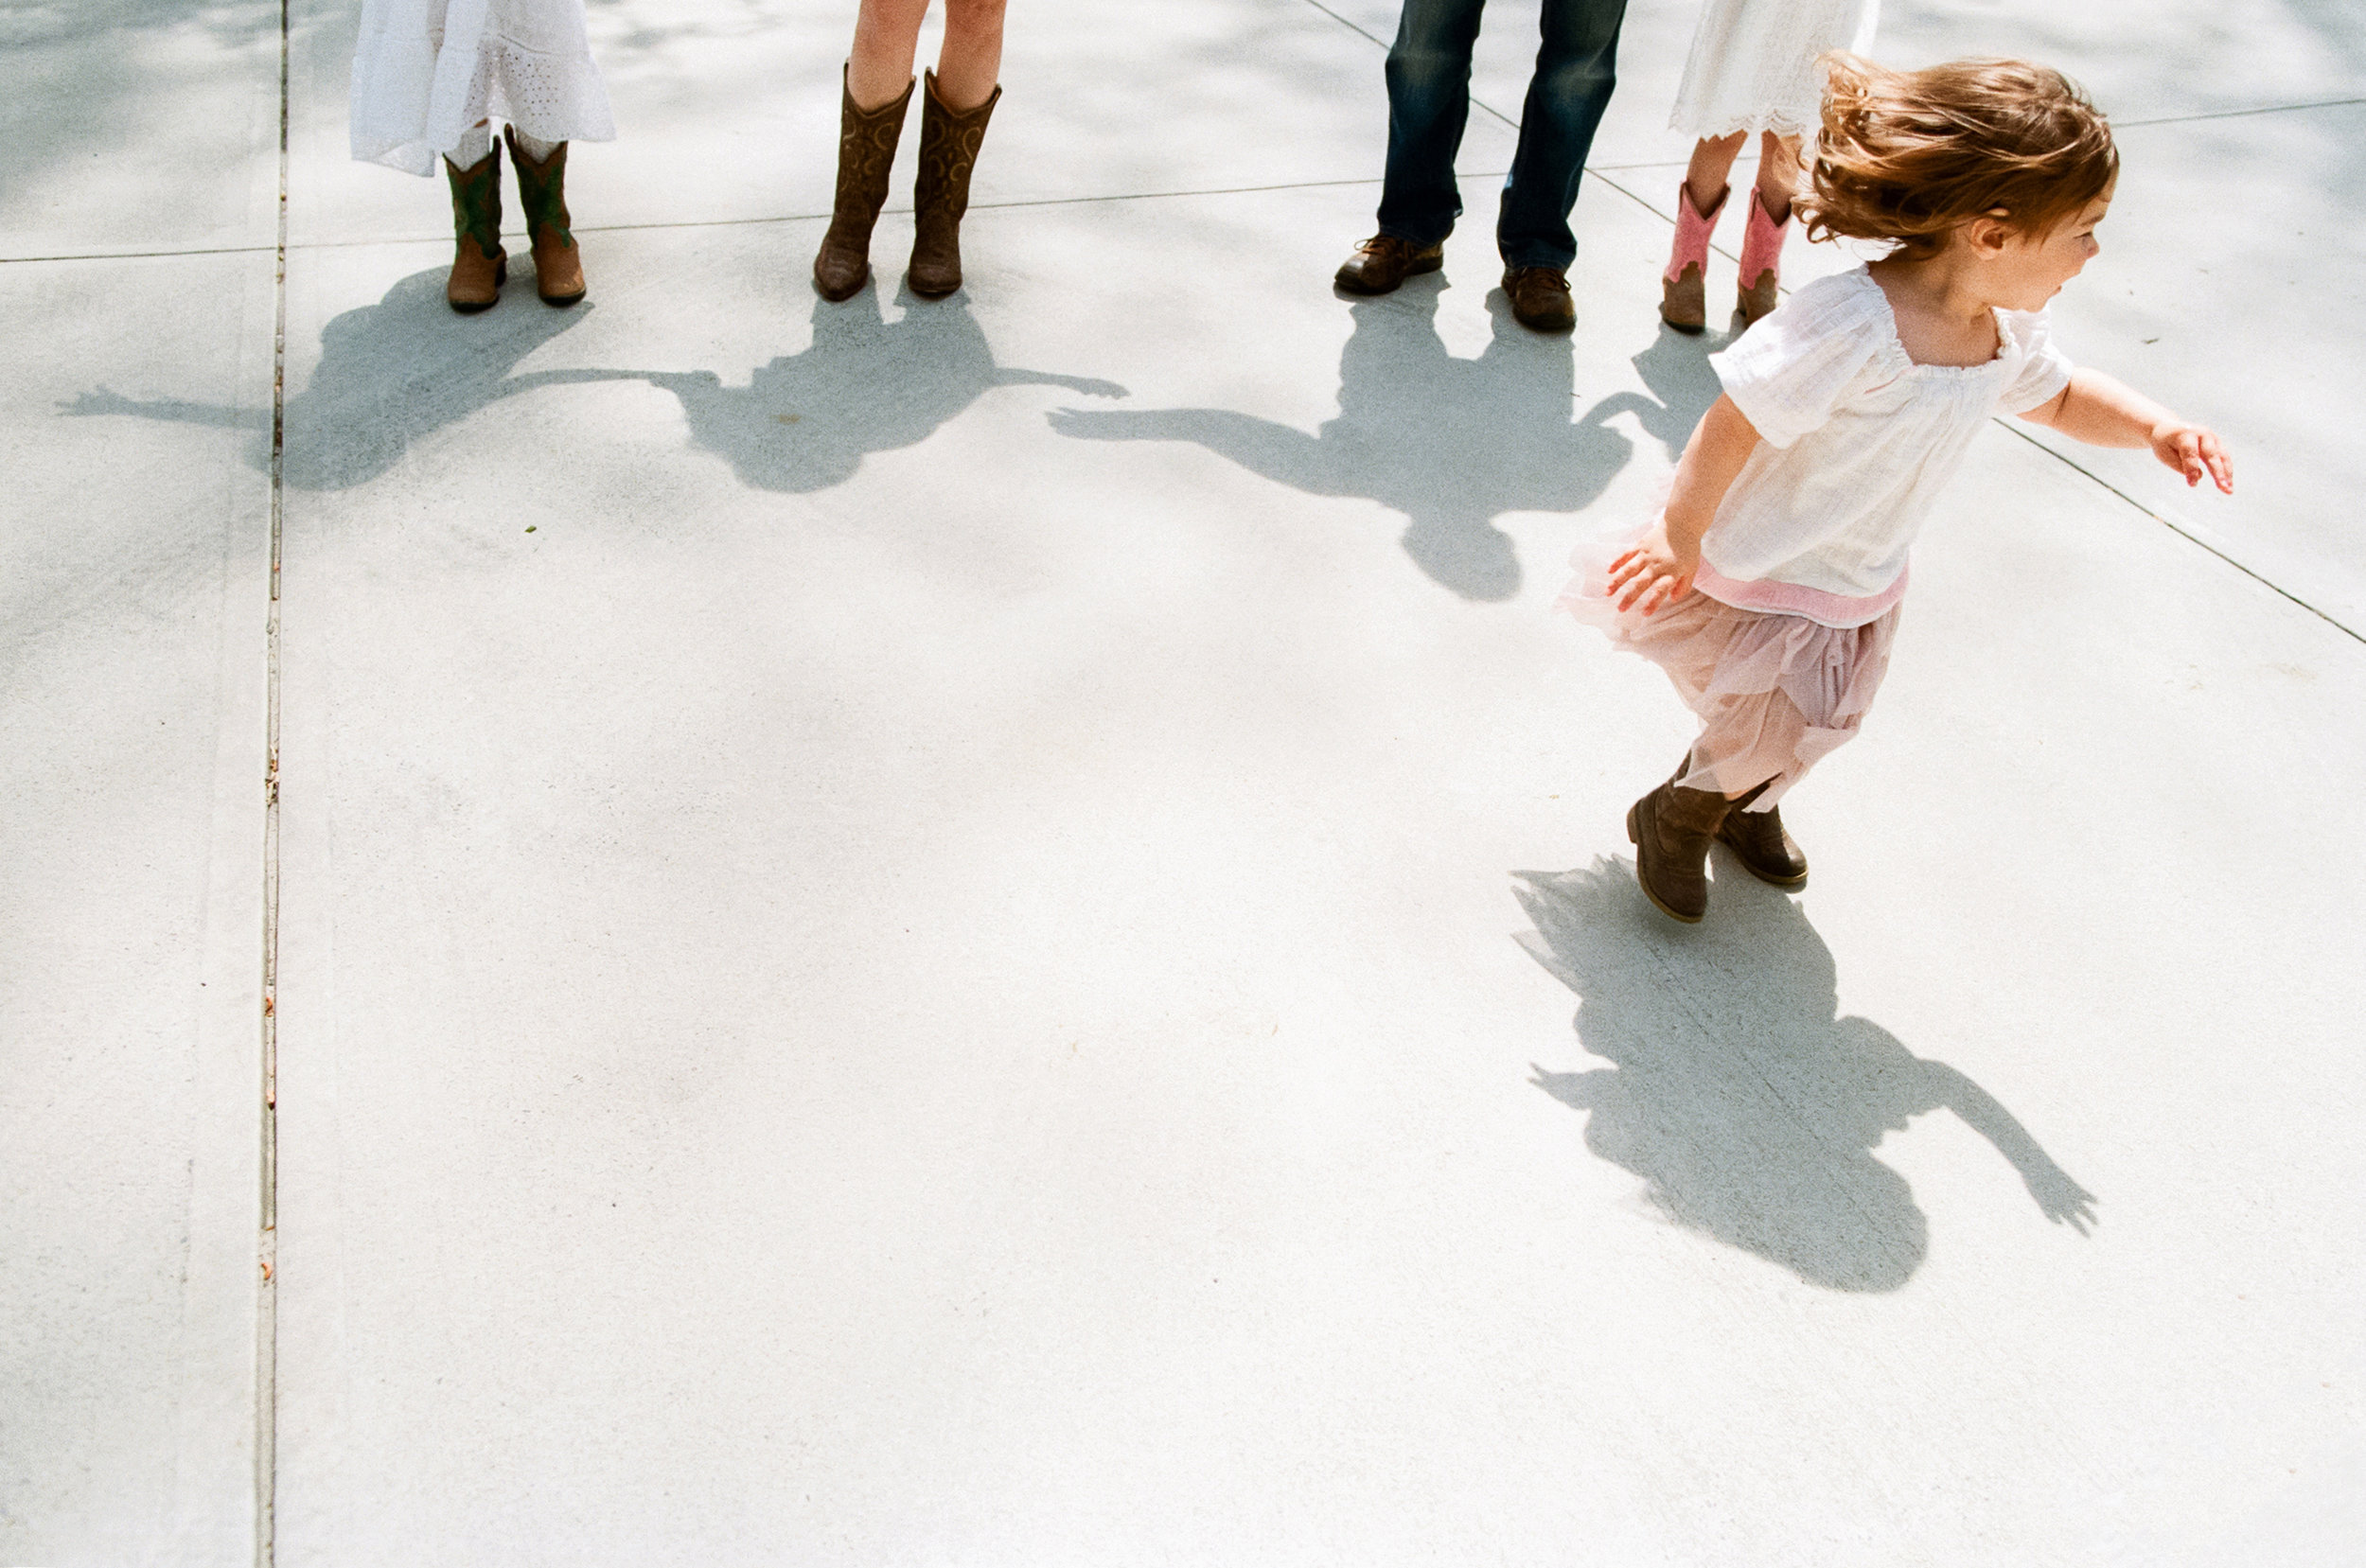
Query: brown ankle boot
x=949 y=150
x=1670 y=829
x=866 y=151
x=1759 y=841
x=479 y=265
x=542 y=192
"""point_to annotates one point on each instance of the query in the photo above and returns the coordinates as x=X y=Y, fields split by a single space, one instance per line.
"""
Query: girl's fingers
x=2221 y=467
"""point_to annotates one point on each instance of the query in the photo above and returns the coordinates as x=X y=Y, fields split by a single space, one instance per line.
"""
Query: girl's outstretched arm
x=1658 y=571
x=2104 y=413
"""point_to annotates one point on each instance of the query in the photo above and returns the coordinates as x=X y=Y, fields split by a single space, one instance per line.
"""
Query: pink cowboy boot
x=1761 y=260
x=1684 y=298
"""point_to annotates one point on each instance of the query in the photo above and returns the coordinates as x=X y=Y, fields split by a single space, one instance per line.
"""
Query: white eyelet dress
x=1784 y=639
x=426 y=71
x=1752 y=64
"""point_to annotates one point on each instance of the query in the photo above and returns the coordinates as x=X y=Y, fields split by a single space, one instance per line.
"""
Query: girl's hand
x=1654 y=574
x=2194 y=451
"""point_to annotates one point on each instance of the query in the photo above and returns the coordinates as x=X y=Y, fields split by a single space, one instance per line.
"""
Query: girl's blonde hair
x=1908 y=156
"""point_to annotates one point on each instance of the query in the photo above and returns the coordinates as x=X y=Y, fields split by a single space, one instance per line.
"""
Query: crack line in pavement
x=144 y=256
x=1071 y=200
x=2238 y=114
x=267 y=1299
x=2184 y=533
x=1476 y=102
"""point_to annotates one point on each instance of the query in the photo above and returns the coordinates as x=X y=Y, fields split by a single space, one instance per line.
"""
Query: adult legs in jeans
x=1429 y=101
x=1575 y=69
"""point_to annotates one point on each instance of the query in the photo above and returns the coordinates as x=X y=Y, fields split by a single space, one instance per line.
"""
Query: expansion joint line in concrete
x=267 y=1297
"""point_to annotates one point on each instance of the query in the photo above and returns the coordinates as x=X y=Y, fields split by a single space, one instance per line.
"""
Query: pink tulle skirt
x=1775 y=694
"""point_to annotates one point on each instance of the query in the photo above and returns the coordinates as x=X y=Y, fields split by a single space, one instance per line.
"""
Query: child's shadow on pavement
x=1750 y=1110
x=392 y=373
x=805 y=421
x=1450 y=444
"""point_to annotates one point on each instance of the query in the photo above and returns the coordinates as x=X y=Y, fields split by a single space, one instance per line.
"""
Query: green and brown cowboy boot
x=479 y=265
x=542 y=192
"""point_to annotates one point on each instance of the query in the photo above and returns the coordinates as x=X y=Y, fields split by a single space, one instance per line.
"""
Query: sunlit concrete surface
x=997 y=932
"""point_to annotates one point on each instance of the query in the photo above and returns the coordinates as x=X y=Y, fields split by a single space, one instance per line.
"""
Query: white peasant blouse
x=1859 y=441
x=426 y=71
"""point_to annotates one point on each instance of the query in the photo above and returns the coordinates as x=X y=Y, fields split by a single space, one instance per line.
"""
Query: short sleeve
x=2045 y=370
x=1788 y=372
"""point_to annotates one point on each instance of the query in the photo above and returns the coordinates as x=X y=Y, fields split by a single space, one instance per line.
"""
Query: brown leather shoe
x=542 y=192
x=1670 y=829
x=1760 y=842
x=1385 y=261
x=949 y=152
x=479 y=265
x=866 y=151
x=1540 y=301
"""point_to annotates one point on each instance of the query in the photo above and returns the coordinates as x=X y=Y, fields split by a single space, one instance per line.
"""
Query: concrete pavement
x=996 y=932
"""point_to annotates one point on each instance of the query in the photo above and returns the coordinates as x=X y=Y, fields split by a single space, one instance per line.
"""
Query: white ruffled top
x=1858 y=442
x=426 y=71
x=1753 y=64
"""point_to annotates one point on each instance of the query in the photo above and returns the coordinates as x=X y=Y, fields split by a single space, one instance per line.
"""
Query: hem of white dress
x=585 y=117
x=1781 y=122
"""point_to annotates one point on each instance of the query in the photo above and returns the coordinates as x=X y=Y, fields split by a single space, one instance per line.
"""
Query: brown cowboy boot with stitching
x=1759 y=841
x=1385 y=261
x=866 y=151
x=1670 y=829
x=479 y=265
x=949 y=140
x=542 y=192
x=1540 y=298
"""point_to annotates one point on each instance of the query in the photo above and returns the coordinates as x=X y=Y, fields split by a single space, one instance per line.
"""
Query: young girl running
x=1769 y=587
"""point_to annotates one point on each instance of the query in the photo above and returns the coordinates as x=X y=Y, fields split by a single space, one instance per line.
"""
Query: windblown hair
x=1910 y=156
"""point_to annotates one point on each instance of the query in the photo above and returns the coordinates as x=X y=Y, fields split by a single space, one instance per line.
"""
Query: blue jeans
x=1429 y=98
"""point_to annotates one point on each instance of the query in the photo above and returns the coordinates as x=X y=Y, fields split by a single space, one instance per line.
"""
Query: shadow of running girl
x=1748 y=1108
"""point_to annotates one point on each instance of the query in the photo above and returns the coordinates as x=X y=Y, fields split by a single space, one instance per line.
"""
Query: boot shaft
x=866 y=155
x=476 y=201
x=949 y=141
x=542 y=193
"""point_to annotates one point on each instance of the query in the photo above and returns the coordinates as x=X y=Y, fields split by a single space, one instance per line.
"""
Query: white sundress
x=1752 y=64
x=426 y=71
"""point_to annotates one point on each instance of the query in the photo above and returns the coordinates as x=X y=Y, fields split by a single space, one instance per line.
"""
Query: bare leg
x=971 y=62
x=887 y=34
x=1779 y=172
x=1712 y=161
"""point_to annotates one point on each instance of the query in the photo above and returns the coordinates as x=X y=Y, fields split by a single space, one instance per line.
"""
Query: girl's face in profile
x=2025 y=271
